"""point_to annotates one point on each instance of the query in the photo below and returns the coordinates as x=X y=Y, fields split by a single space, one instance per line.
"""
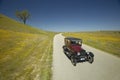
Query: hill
x=7 y=23
x=25 y=52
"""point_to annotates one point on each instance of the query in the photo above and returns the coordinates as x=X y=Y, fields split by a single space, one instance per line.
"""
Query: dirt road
x=104 y=67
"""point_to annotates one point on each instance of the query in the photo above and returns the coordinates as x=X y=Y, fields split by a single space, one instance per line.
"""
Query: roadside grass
x=25 y=56
x=25 y=52
x=108 y=41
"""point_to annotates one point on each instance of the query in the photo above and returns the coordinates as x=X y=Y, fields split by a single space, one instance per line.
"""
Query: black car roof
x=72 y=38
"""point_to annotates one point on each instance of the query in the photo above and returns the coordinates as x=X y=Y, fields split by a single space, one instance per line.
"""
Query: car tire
x=90 y=59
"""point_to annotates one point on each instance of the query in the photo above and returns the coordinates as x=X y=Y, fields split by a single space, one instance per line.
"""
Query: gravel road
x=104 y=67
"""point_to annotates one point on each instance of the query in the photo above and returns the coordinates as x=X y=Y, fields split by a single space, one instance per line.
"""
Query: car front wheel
x=90 y=59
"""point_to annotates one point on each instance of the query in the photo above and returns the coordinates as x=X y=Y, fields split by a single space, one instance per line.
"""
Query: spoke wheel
x=90 y=59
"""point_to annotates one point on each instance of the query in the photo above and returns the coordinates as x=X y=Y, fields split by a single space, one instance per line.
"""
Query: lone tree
x=23 y=15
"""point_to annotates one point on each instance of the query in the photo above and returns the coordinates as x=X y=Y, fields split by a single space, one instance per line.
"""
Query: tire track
x=43 y=60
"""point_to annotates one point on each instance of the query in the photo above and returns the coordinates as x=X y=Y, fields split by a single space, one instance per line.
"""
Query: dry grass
x=25 y=56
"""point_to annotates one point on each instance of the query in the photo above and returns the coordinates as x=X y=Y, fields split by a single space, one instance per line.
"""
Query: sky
x=67 y=15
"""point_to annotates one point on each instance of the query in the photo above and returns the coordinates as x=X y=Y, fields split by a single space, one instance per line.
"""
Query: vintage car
x=74 y=51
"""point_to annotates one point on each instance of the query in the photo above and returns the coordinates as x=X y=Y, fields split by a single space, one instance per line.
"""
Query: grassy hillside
x=108 y=41
x=7 y=23
x=25 y=52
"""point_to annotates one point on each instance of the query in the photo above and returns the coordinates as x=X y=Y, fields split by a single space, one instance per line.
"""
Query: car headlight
x=78 y=53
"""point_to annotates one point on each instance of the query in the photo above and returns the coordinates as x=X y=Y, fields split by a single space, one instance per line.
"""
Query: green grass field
x=108 y=41
x=25 y=52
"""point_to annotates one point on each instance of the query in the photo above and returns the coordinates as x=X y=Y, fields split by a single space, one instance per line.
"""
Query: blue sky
x=67 y=15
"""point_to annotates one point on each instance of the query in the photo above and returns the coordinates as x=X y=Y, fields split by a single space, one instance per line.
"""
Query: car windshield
x=75 y=42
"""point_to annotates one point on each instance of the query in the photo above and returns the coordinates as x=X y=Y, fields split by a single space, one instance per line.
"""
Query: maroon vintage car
x=74 y=51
